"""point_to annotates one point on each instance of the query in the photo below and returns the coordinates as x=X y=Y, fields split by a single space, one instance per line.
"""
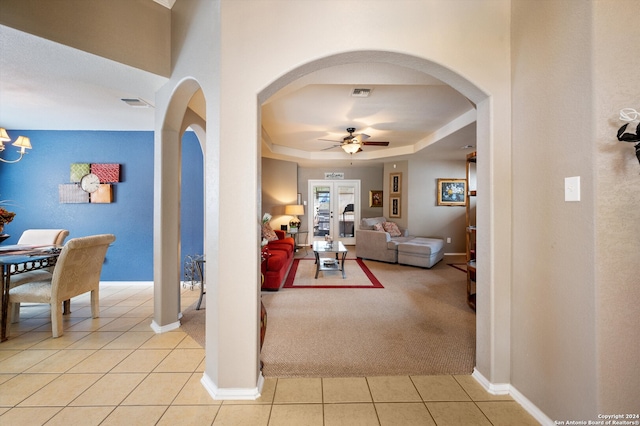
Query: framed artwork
x=375 y=198
x=452 y=192
x=395 y=183
x=394 y=207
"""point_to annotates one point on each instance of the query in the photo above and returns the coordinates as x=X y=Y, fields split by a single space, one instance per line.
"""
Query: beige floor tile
x=439 y=388
x=143 y=325
x=62 y=390
x=139 y=416
x=157 y=389
x=141 y=361
x=62 y=342
x=403 y=414
x=350 y=415
x=506 y=413
x=164 y=340
x=457 y=414
x=111 y=389
x=4 y=410
x=26 y=360
x=298 y=390
x=4 y=354
x=351 y=389
x=187 y=415
x=91 y=324
x=188 y=343
x=61 y=361
x=477 y=392
x=28 y=416
x=234 y=415
x=130 y=340
x=266 y=397
x=139 y=312
x=96 y=340
x=25 y=341
x=194 y=393
x=181 y=360
x=22 y=386
x=6 y=377
x=297 y=415
x=393 y=389
x=85 y=416
x=114 y=311
x=120 y=324
x=101 y=361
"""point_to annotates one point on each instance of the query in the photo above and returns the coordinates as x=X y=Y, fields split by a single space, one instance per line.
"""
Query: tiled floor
x=114 y=370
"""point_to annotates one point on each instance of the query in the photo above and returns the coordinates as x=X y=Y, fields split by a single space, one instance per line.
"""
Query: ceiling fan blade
x=375 y=143
x=331 y=147
x=330 y=140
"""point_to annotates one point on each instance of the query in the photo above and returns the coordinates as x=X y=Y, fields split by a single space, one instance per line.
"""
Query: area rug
x=459 y=266
x=357 y=275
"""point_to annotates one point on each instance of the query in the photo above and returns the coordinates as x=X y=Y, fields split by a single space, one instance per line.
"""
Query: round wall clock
x=90 y=182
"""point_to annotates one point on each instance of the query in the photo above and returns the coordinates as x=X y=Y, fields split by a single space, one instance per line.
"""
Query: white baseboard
x=164 y=328
x=508 y=389
x=455 y=254
x=244 y=394
x=128 y=283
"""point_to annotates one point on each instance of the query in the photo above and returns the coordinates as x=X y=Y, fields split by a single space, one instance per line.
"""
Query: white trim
x=531 y=408
x=145 y=283
x=493 y=389
x=507 y=389
x=244 y=394
x=455 y=254
x=164 y=328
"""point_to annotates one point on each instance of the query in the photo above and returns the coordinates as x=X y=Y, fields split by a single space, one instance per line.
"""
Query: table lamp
x=294 y=210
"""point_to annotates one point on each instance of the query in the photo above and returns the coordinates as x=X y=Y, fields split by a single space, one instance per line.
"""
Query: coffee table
x=329 y=263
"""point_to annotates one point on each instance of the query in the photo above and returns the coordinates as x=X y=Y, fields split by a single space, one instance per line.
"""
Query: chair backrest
x=43 y=236
x=79 y=266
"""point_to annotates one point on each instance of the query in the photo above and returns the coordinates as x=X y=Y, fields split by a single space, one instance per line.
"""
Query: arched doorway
x=491 y=341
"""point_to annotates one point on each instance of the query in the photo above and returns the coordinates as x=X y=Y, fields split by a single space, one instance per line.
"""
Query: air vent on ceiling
x=361 y=93
x=136 y=102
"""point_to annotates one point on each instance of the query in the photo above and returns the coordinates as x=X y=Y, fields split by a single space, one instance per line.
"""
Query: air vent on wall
x=136 y=102
x=361 y=93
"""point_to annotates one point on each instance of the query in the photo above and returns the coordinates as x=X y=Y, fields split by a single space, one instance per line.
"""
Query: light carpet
x=419 y=323
x=357 y=275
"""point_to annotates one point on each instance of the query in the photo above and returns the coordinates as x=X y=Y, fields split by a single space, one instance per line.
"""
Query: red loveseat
x=277 y=260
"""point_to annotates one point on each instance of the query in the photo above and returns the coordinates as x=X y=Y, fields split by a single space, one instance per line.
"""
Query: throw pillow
x=268 y=232
x=392 y=229
x=378 y=227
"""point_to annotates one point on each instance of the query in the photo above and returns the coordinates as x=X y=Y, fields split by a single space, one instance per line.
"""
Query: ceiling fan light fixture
x=351 y=147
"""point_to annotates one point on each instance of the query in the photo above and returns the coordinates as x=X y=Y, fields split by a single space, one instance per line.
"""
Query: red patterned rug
x=358 y=275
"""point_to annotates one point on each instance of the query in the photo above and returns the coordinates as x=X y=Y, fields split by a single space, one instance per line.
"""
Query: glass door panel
x=336 y=209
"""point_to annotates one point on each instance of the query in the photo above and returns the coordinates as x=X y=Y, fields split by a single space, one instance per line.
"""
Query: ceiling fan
x=353 y=143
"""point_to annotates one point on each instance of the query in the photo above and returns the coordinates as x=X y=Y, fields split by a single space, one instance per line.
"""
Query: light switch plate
x=572 y=188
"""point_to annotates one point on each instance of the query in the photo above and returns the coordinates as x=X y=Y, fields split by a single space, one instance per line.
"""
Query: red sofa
x=277 y=260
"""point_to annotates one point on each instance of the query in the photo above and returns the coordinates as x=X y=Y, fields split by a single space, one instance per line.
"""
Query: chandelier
x=23 y=142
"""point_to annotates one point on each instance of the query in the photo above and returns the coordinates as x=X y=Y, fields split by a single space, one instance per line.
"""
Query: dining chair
x=77 y=271
x=37 y=237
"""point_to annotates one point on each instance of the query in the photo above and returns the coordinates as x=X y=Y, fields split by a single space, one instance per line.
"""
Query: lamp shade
x=22 y=142
x=294 y=210
x=4 y=136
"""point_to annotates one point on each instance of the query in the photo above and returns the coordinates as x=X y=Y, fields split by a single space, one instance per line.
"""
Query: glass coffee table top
x=329 y=263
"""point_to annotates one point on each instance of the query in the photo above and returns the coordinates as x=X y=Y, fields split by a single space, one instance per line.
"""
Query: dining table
x=18 y=259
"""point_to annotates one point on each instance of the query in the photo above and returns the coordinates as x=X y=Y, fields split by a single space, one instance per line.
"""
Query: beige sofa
x=381 y=246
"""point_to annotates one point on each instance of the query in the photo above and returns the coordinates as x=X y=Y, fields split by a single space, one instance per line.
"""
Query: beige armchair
x=77 y=271
x=37 y=237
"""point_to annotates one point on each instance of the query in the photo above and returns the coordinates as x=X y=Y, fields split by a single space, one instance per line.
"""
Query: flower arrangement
x=6 y=216
x=266 y=218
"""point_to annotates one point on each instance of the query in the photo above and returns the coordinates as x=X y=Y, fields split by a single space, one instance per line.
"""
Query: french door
x=335 y=206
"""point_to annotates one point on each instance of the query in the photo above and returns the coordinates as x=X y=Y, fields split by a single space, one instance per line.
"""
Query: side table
x=296 y=238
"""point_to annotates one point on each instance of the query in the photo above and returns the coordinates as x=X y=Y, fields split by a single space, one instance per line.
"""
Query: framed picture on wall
x=395 y=183
x=452 y=192
x=394 y=207
x=375 y=198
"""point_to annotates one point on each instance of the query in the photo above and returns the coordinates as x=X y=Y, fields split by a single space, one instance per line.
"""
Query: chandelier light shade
x=23 y=142
x=294 y=210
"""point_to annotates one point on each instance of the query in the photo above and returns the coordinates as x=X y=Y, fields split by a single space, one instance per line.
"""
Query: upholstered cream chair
x=37 y=237
x=77 y=271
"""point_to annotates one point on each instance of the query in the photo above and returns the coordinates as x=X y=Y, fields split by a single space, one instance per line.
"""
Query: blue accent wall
x=31 y=186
